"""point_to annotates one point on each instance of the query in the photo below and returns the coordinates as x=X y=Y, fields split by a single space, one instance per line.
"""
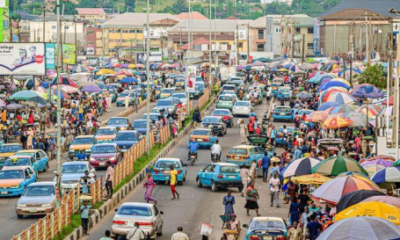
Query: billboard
x=50 y=55
x=68 y=53
x=154 y=33
x=22 y=59
x=191 y=78
x=154 y=57
x=316 y=38
x=242 y=34
x=90 y=50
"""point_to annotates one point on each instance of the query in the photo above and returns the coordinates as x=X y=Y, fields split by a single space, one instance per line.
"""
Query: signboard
x=22 y=59
x=242 y=34
x=154 y=57
x=50 y=55
x=69 y=53
x=191 y=78
x=3 y=4
x=154 y=33
x=90 y=50
x=316 y=38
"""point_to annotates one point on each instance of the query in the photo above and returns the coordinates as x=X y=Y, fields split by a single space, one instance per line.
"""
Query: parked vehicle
x=220 y=175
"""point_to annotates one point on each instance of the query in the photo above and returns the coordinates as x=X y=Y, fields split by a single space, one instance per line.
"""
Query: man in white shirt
x=216 y=149
x=180 y=235
x=244 y=176
x=135 y=233
x=274 y=187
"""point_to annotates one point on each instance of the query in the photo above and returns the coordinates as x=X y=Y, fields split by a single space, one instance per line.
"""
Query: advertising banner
x=68 y=55
x=242 y=34
x=191 y=78
x=50 y=55
x=22 y=59
x=154 y=57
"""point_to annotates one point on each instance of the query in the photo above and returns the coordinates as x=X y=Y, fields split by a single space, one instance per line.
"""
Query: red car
x=225 y=114
x=103 y=152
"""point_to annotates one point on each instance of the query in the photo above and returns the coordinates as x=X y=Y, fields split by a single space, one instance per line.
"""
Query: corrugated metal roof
x=220 y=25
x=131 y=20
x=91 y=11
x=194 y=15
x=381 y=7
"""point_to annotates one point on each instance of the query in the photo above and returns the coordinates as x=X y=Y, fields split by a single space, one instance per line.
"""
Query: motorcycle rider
x=81 y=155
x=216 y=149
x=193 y=146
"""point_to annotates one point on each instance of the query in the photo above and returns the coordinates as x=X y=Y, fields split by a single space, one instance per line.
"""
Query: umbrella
x=117 y=65
x=91 y=88
x=367 y=90
x=384 y=157
x=355 y=197
x=394 y=201
x=124 y=65
x=314 y=178
x=139 y=65
x=104 y=71
x=357 y=119
x=79 y=69
x=317 y=116
x=327 y=105
x=341 y=98
x=325 y=94
x=64 y=81
x=30 y=83
x=129 y=80
x=345 y=108
x=257 y=63
x=330 y=84
x=335 y=122
x=85 y=83
x=368 y=111
x=335 y=165
x=371 y=228
x=333 y=190
x=67 y=89
x=131 y=66
x=375 y=166
x=391 y=99
x=13 y=106
x=2 y=103
x=24 y=95
x=376 y=209
x=300 y=167
x=239 y=67
x=389 y=174
x=304 y=95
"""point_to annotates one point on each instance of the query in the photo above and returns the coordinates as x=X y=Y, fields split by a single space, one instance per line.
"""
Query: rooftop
x=90 y=11
x=198 y=41
x=131 y=20
x=194 y=15
x=381 y=7
x=352 y=14
x=204 y=26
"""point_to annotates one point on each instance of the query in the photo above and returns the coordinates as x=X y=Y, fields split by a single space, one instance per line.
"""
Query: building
x=288 y=2
x=91 y=14
x=5 y=22
x=24 y=25
x=95 y=44
x=193 y=15
x=258 y=35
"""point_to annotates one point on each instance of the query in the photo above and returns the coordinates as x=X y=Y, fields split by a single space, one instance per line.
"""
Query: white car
x=182 y=97
x=72 y=173
x=242 y=108
x=145 y=214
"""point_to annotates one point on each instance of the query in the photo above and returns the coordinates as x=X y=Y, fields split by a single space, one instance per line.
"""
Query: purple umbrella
x=124 y=65
x=13 y=106
x=368 y=91
x=381 y=162
x=91 y=89
x=239 y=67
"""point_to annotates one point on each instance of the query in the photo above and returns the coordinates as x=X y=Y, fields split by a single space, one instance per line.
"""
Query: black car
x=216 y=124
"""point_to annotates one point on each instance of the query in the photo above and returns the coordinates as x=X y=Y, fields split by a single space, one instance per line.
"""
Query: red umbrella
x=327 y=94
x=117 y=65
x=391 y=99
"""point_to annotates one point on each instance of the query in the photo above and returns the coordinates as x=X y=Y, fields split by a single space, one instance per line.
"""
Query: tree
x=87 y=4
x=179 y=6
x=277 y=8
x=373 y=75
x=130 y=5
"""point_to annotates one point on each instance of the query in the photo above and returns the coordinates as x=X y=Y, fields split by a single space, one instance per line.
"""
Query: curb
x=109 y=205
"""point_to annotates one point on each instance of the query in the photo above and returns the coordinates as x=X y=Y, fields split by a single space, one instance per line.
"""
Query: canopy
x=91 y=88
x=317 y=116
x=389 y=174
x=367 y=90
x=345 y=108
x=64 y=81
x=355 y=197
x=327 y=105
x=300 y=167
x=336 y=165
x=341 y=98
x=28 y=95
x=335 y=122
x=331 y=84
x=357 y=119
x=314 y=178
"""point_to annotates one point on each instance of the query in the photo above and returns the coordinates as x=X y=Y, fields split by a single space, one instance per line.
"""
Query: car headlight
x=88 y=150
x=21 y=205
x=47 y=205
x=92 y=159
x=219 y=126
x=112 y=159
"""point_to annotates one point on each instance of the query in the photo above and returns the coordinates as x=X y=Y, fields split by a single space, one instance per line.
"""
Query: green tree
x=374 y=76
x=277 y=8
x=179 y=6
x=130 y=5
x=87 y=4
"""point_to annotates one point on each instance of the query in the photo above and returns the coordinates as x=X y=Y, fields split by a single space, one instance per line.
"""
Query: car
x=138 y=93
x=39 y=156
x=181 y=96
x=236 y=82
x=82 y=142
x=122 y=96
x=103 y=152
x=257 y=95
x=166 y=104
x=7 y=150
x=244 y=154
x=226 y=115
x=161 y=170
x=180 y=84
x=113 y=93
x=242 y=108
x=300 y=112
x=226 y=101
x=217 y=126
x=280 y=139
x=126 y=139
x=21 y=161
x=282 y=113
x=200 y=87
x=229 y=87
x=120 y=123
x=39 y=198
x=146 y=215
x=220 y=175
x=72 y=172
x=106 y=134
x=153 y=116
x=167 y=92
x=286 y=92
x=203 y=136
x=140 y=125
x=232 y=78
x=266 y=228
x=14 y=180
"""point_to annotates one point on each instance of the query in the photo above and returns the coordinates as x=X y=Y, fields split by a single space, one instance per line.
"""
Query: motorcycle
x=192 y=158
x=215 y=157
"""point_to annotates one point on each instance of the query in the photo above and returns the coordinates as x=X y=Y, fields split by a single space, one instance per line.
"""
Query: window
x=310 y=46
x=54 y=27
x=278 y=30
x=139 y=31
x=90 y=43
x=240 y=45
x=260 y=34
x=310 y=30
x=131 y=31
x=90 y=32
x=260 y=47
x=297 y=30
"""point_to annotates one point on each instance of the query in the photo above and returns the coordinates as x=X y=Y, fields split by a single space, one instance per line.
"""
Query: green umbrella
x=397 y=163
x=24 y=95
x=336 y=165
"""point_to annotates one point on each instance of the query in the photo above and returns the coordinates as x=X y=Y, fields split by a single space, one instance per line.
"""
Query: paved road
x=197 y=205
x=7 y=205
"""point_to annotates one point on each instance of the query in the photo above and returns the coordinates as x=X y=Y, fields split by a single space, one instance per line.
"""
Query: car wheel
x=214 y=187
x=198 y=182
x=20 y=216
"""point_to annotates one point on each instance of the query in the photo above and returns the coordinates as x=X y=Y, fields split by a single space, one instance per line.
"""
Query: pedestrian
x=265 y=162
x=243 y=131
x=229 y=201
x=244 y=175
x=294 y=211
x=313 y=227
x=172 y=182
x=274 y=188
x=295 y=232
x=107 y=236
x=305 y=216
x=136 y=103
x=127 y=98
x=149 y=185
x=85 y=217
x=180 y=235
x=135 y=233
x=109 y=179
x=251 y=199
x=253 y=170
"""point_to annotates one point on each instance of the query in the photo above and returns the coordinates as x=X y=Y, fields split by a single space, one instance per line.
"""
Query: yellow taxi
x=7 y=150
x=244 y=154
x=106 y=134
x=84 y=143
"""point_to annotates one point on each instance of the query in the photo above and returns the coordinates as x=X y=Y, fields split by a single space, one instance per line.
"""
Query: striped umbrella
x=327 y=105
x=357 y=119
x=355 y=197
x=335 y=122
x=298 y=167
x=384 y=157
x=333 y=190
x=336 y=165
x=394 y=201
x=314 y=178
x=345 y=108
x=341 y=98
x=370 y=112
x=390 y=174
x=317 y=116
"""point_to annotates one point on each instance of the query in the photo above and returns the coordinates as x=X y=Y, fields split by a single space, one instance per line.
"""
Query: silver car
x=145 y=214
x=242 y=108
x=38 y=199
x=72 y=173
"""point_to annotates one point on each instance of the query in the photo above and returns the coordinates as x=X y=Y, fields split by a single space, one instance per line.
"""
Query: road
x=7 y=204
x=198 y=205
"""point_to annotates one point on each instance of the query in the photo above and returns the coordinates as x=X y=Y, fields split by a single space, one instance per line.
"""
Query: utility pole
x=209 y=50
x=76 y=41
x=237 y=43
x=44 y=24
x=148 y=78
x=248 y=43
x=303 y=56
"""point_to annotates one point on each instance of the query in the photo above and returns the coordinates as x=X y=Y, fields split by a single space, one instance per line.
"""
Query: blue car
x=244 y=154
x=120 y=123
x=14 y=180
x=126 y=139
x=161 y=170
x=282 y=113
x=140 y=125
x=220 y=175
x=203 y=137
x=266 y=228
x=40 y=158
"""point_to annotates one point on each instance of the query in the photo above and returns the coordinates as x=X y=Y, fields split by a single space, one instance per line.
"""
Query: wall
x=36 y=29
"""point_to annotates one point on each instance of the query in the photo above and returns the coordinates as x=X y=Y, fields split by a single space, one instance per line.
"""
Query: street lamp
x=147 y=79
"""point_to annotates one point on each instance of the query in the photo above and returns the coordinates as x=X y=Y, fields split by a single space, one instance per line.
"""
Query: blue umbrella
x=330 y=84
x=287 y=66
x=129 y=80
x=45 y=84
x=367 y=91
x=348 y=70
x=327 y=105
x=389 y=174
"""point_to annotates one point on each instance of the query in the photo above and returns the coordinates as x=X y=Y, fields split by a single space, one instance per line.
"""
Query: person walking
x=180 y=235
x=251 y=199
x=135 y=233
x=172 y=182
x=295 y=232
x=243 y=131
x=85 y=217
x=149 y=185
x=109 y=179
x=229 y=201
x=136 y=103
x=265 y=162
x=294 y=211
x=244 y=175
x=274 y=187
x=107 y=236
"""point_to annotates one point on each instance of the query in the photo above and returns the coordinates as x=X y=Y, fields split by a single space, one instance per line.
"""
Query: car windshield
x=127 y=136
x=103 y=149
x=211 y=120
x=220 y=112
x=152 y=117
x=164 y=103
x=117 y=121
x=238 y=151
x=106 y=131
x=230 y=169
x=280 y=109
x=242 y=104
x=123 y=95
x=11 y=174
x=83 y=141
x=166 y=164
x=180 y=95
x=201 y=132
x=39 y=191
x=168 y=90
x=74 y=168
x=228 y=88
x=141 y=124
x=18 y=162
x=24 y=154
x=13 y=148
x=268 y=224
x=225 y=98
x=135 y=211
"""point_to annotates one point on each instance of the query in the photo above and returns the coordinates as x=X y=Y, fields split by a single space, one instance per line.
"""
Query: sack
x=206 y=229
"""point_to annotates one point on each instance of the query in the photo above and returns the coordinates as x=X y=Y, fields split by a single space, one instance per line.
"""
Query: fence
x=203 y=99
x=48 y=227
